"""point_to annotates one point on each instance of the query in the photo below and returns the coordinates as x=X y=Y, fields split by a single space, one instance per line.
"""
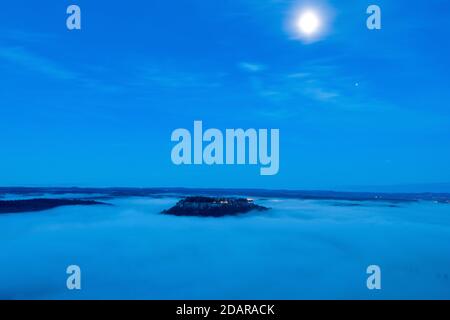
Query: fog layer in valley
x=298 y=250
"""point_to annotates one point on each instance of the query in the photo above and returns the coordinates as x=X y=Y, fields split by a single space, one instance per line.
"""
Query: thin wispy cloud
x=321 y=94
x=21 y=36
x=251 y=67
x=175 y=78
x=20 y=57
x=312 y=85
x=308 y=83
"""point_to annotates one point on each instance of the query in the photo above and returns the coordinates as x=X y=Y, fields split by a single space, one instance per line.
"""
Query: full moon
x=308 y=23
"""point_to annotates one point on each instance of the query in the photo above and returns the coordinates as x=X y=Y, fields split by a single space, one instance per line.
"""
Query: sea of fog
x=301 y=249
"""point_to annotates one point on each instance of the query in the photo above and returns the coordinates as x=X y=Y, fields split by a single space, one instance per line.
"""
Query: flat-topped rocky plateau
x=213 y=207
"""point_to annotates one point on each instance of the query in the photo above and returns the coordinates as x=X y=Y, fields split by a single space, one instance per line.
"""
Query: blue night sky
x=96 y=107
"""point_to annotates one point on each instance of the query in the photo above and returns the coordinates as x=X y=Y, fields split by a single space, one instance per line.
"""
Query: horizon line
x=342 y=190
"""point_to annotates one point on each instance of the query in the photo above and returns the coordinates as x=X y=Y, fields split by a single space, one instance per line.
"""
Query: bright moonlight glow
x=308 y=23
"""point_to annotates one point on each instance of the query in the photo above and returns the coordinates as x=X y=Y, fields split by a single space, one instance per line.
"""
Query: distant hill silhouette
x=29 y=205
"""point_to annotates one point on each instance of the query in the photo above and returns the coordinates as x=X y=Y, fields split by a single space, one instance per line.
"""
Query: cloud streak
x=26 y=59
x=251 y=67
